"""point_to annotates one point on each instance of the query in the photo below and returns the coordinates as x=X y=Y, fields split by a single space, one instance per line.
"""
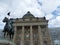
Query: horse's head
x=5 y=19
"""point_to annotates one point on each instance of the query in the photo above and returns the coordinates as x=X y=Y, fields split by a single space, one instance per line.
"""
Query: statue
x=8 y=28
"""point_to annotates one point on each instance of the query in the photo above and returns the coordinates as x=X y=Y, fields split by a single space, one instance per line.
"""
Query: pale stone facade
x=30 y=30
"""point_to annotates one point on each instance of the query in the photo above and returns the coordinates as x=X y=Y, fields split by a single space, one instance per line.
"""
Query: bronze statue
x=8 y=28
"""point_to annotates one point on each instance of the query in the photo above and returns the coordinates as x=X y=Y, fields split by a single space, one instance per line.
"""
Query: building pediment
x=28 y=15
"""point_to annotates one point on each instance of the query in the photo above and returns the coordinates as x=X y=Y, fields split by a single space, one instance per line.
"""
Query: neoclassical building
x=31 y=30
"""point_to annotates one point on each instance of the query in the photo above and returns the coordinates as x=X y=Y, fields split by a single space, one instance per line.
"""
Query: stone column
x=22 y=38
x=40 y=36
x=31 y=36
x=14 y=38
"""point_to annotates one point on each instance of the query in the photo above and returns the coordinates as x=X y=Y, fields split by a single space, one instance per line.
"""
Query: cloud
x=49 y=16
x=19 y=7
x=55 y=22
x=7 y=2
x=56 y=11
x=49 y=5
x=26 y=5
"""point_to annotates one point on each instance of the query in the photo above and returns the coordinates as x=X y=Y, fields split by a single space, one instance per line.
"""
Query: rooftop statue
x=8 y=28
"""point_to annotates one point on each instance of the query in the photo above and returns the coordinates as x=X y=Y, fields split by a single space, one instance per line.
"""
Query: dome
x=28 y=15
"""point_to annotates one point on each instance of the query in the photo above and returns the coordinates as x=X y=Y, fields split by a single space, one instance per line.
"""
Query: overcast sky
x=39 y=8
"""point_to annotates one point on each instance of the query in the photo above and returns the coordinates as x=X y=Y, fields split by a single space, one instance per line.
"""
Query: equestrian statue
x=8 y=28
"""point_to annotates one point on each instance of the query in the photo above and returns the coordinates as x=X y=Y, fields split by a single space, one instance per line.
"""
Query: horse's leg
x=13 y=35
x=7 y=33
x=10 y=36
x=4 y=34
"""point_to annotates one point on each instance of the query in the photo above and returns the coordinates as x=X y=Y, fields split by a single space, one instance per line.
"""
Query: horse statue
x=8 y=28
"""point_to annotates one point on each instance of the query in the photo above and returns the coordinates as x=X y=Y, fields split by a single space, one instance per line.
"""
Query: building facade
x=31 y=30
